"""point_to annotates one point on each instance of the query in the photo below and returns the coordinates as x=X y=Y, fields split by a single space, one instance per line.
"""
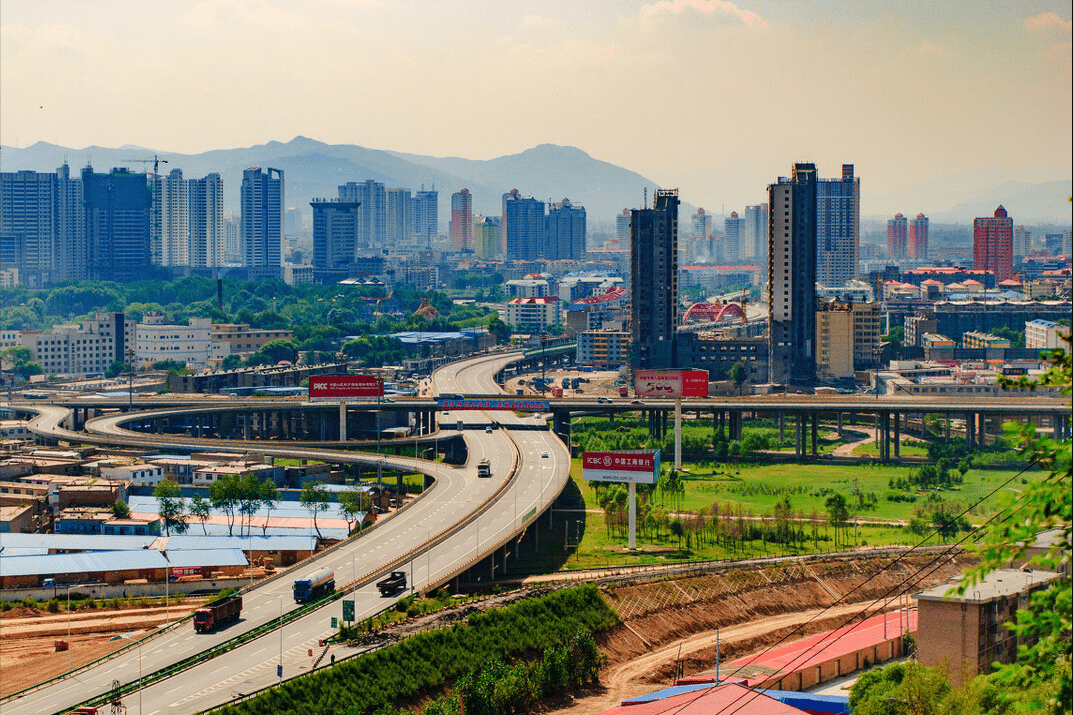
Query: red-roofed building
x=992 y=244
x=535 y=314
x=731 y=697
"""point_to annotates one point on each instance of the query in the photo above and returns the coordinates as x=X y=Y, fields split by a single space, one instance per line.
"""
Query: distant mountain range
x=313 y=169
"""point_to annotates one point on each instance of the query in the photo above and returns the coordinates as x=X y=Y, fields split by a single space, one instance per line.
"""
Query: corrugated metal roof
x=79 y=542
x=280 y=530
x=149 y=505
x=243 y=543
x=53 y=564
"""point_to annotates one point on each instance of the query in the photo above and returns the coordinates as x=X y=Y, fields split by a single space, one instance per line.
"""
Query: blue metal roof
x=207 y=557
x=77 y=542
x=97 y=561
x=812 y=702
x=195 y=542
x=290 y=509
x=667 y=693
x=221 y=530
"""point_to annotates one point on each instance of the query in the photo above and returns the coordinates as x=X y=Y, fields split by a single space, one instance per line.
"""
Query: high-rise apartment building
x=523 y=226
x=206 y=243
x=399 y=213
x=838 y=227
x=71 y=249
x=992 y=244
x=462 y=221
x=117 y=208
x=1022 y=241
x=700 y=224
x=654 y=282
x=792 y=277
x=754 y=234
x=28 y=226
x=897 y=237
x=918 y=238
x=487 y=240
x=732 y=239
x=426 y=216
x=564 y=232
x=262 y=204
x=622 y=227
x=169 y=235
x=372 y=217
x=335 y=237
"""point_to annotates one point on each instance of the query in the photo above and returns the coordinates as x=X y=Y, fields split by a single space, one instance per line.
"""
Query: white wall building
x=535 y=314
x=82 y=350
x=191 y=344
x=1043 y=334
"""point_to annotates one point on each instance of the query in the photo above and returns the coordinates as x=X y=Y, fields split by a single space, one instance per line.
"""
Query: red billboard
x=640 y=467
x=670 y=383
x=344 y=386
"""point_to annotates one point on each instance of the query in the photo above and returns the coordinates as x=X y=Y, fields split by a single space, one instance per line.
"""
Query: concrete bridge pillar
x=897 y=435
x=342 y=421
x=815 y=433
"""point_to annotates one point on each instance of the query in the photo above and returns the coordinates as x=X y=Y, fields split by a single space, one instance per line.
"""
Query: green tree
x=315 y=499
x=269 y=498
x=274 y=352
x=353 y=504
x=249 y=498
x=21 y=360
x=738 y=374
x=499 y=329
x=224 y=495
x=231 y=362
x=169 y=496
x=1042 y=667
x=200 y=509
x=121 y=510
x=837 y=513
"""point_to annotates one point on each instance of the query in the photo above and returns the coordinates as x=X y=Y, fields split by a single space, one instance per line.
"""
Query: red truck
x=216 y=614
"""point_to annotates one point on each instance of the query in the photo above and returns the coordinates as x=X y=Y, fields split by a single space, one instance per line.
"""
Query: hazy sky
x=716 y=98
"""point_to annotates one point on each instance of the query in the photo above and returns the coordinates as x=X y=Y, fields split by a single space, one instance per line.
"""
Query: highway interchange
x=441 y=534
x=453 y=525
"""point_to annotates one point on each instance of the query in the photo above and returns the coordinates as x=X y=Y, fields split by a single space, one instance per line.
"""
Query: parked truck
x=217 y=614
x=484 y=468
x=314 y=586
x=392 y=584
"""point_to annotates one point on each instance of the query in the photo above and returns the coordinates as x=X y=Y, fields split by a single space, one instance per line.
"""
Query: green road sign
x=335 y=622
x=348 y=611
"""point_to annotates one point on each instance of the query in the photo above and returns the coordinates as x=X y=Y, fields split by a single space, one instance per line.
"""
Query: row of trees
x=240 y=497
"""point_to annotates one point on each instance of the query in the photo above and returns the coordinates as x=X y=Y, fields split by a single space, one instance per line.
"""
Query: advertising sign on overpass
x=494 y=403
x=636 y=466
x=670 y=383
x=344 y=386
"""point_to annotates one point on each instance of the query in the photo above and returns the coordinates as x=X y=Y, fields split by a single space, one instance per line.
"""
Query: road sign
x=670 y=383
x=335 y=622
x=279 y=670
x=493 y=403
x=348 y=611
x=336 y=386
x=636 y=466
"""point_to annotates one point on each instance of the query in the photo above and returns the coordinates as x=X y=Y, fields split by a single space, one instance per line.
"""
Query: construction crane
x=156 y=160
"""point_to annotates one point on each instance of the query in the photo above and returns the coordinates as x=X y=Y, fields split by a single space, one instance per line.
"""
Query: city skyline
x=947 y=84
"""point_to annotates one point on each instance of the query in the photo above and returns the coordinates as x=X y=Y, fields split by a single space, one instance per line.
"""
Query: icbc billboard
x=670 y=383
x=640 y=467
x=344 y=386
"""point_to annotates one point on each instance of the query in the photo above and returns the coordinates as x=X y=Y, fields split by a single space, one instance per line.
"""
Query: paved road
x=454 y=500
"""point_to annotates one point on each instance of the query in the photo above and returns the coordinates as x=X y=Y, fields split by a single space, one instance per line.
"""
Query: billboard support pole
x=678 y=434
x=633 y=516
x=342 y=420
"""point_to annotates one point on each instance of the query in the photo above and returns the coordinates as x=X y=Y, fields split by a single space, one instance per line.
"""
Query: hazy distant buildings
x=117 y=218
x=398 y=211
x=206 y=243
x=372 y=216
x=792 y=269
x=262 y=203
x=992 y=244
x=462 y=221
x=28 y=226
x=1022 y=241
x=754 y=233
x=732 y=239
x=700 y=224
x=897 y=237
x=654 y=282
x=838 y=227
x=169 y=234
x=335 y=239
x=487 y=238
x=564 y=232
x=426 y=216
x=918 y=238
x=523 y=226
x=622 y=227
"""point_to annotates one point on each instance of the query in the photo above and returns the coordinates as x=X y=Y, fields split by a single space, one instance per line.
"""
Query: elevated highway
x=462 y=522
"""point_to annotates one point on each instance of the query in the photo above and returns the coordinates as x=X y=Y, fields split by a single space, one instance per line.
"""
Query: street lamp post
x=167 y=589
x=68 y=627
x=130 y=378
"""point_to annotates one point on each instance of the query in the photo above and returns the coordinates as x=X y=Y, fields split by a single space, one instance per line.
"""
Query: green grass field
x=756 y=488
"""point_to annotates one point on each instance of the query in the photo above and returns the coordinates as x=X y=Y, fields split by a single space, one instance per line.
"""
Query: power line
x=933 y=565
